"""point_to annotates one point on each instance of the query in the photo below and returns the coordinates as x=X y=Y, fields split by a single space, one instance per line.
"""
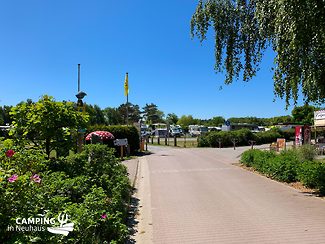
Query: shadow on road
x=132 y=215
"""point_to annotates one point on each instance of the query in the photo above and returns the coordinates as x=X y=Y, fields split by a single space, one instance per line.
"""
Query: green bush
x=256 y=158
x=283 y=167
x=308 y=174
x=312 y=174
x=212 y=138
x=92 y=187
x=307 y=152
x=267 y=136
x=242 y=137
x=120 y=132
x=288 y=134
x=288 y=166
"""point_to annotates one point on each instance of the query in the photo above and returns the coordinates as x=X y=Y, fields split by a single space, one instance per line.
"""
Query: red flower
x=10 y=153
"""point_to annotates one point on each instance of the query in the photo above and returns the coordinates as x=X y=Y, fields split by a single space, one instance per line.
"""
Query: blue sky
x=43 y=41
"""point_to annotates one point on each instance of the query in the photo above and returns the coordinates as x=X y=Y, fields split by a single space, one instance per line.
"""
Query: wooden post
x=122 y=149
x=175 y=141
x=219 y=141
x=158 y=140
x=234 y=140
x=251 y=142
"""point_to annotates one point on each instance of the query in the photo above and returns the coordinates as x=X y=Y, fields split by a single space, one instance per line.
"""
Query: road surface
x=198 y=196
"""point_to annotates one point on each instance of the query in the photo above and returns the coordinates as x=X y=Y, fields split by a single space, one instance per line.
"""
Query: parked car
x=175 y=131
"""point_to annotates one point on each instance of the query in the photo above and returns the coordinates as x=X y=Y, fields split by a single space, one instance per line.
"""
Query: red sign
x=298 y=135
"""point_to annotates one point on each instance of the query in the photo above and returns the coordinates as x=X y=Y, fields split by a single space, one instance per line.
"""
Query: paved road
x=198 y=196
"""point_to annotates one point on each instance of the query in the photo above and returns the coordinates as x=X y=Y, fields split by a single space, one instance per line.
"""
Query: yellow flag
x=126 y=85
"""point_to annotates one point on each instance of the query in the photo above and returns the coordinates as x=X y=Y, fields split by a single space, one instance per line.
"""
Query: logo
x=43 y=223
x=64 y=228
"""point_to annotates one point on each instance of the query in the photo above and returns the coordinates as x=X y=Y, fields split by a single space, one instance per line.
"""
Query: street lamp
x=81 y=108
x=80 y=95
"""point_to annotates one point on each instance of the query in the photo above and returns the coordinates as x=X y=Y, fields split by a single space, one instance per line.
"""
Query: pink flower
x=104 y=216
x=36 y=178
x=10 y=153
x=13 y=178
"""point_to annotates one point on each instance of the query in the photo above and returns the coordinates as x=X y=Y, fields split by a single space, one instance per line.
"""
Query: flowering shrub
x=10 y=153
x=91 y=187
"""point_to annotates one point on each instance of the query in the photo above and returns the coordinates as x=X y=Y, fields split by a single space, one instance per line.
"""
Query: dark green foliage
x=112 y=116
x=249 y=120
x=242 y=137
x=171 y=119
x=85 y=185
x=133 y=113
x=267 y=136
x=256 y=158
x=303 y=114
x=5 y=117
x=262 y=121
x=212 y=139
x=281 y=167
x=288 y=134
x=312 y=174
x=215 y=121
x=279 y=120
x=308 y=173
x=119 y=132
x=288 y=166
x=152 y=114
x=96 y=115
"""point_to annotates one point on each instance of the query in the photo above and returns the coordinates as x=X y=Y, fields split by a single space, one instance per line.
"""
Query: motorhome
x=159 y=130
x=197 y=130
x=162 y=133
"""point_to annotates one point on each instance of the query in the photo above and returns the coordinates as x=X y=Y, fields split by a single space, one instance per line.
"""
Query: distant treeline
x=150 y=114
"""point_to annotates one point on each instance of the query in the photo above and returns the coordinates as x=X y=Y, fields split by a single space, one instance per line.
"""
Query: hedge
x=288 y=166
x=242 y=137
x=120 y=132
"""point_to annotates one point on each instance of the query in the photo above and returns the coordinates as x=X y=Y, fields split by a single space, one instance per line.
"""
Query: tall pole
x=127 y=97
x=80 y=107
x=78 y=77
x=127 y=109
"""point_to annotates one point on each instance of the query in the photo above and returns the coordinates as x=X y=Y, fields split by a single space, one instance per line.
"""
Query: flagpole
x=127 y=109
x=127 y=99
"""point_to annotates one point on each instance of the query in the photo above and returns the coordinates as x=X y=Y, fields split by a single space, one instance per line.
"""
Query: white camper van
x=197 y=130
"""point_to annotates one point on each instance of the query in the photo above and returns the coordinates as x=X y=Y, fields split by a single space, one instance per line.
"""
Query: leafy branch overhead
x=295 y=29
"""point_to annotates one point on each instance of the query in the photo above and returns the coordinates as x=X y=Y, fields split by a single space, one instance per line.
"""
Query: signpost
x=121 y=143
